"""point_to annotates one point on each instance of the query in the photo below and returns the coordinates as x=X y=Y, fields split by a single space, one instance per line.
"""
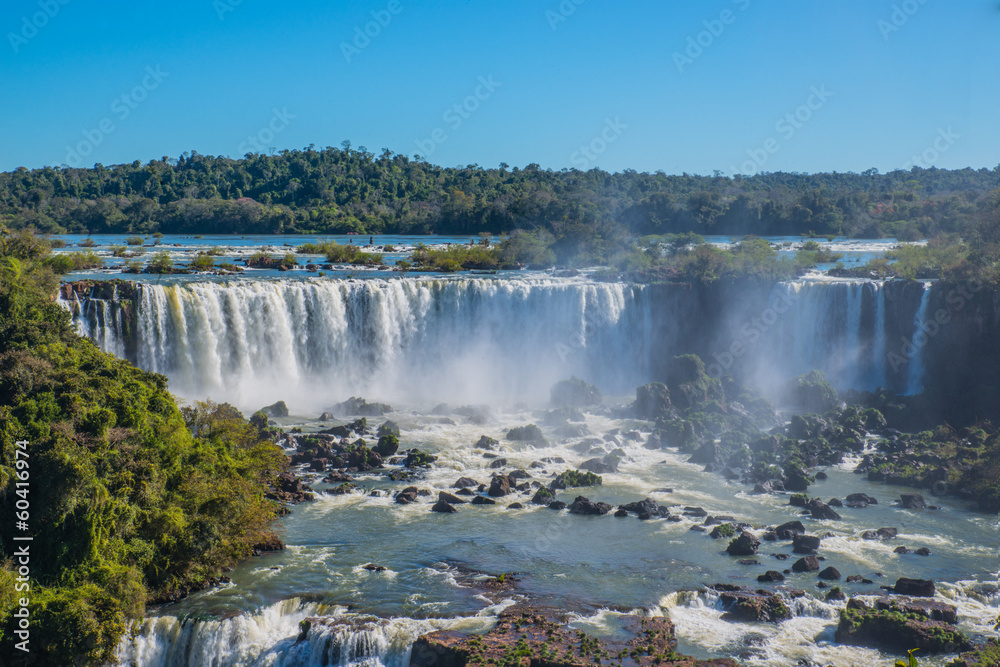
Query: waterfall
x=919 y=340
x=272 y=637
x=313 y=343
x=317 y=342
x=838 y=327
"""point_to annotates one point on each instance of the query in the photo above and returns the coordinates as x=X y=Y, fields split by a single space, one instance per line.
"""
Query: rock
x=886 y=533
x=388 y=428
x=270 y=542
x=823 y=511
x=923 y=551
x=599 y=466
x=407 y=496
x=483 y=500
x=835 y=594
x=820 y=476
x=443 y=507
x=575 y=393
x=575 y=478
x=498 y=463
x=805 y=544
x=499 y=486
x=278 y=409
x=744 y=545
x=326 y=417
x=450 y=499
x=923 y=588
x=695 y=511
x=835 y=502
x=530 y=636
x=798 y=500
x=722 y=530
x=557 y=505
x=912 y=501
x=465 y=483
x=771 y=576
x=418 y=459
x=932 y=609
x=543 y=496
x=529 y=433
x=788 y=530
x=584 y=506
x=829 y=573
x=647 y=506
x=515 y=506
x=806 y=564
x=744 y=605
x=486 y=442
x=621 y=513
x=359 y=406
x=898 y=631
x=387 y=445
x=372 y=567
x=861 y=498
x=900 y=550
x=651 y=401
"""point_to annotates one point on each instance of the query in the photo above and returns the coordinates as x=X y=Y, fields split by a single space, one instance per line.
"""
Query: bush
x=135 y=240
x=161 y=263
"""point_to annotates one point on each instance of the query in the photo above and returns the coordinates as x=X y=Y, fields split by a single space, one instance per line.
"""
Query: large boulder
x=651 y=401
x=575 y=478
x=812 y=393
x=359 y=406
x=529 y=433
x=912 y=501
x=278 y=409
x=898 y=630
x=747 y=606
x=805 y=544
x=921 y=588
x=500 y=486
x=387 y=445
x=806 y=564
x=788 y=530
x=575 y=393
x=585 y=506
x=746 y=544
x=690 y=385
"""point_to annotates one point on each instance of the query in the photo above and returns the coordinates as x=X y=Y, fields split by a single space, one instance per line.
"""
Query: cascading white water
x=915 y=369
x=838 y=327
x=314 y=342
x=270 y=638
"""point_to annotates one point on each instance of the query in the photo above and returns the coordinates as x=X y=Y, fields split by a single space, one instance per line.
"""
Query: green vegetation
x=161 y=263
x=335 y=191
x=575 y=478
x=131 y=498
x=202 y=262
x=134 y=240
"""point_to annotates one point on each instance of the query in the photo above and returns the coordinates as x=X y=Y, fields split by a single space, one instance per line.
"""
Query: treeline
x=336 y=191
x=126 y=498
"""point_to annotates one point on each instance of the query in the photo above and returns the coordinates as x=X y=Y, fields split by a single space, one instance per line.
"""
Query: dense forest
x=336 y=191
x=125 y=497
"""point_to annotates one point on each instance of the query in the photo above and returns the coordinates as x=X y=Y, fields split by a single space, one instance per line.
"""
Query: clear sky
x=680 y=86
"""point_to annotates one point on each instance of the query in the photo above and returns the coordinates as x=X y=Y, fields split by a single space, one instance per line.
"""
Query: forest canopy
x=341 y=190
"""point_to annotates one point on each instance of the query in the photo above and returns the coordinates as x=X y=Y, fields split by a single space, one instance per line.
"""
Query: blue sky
x=679 y=86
